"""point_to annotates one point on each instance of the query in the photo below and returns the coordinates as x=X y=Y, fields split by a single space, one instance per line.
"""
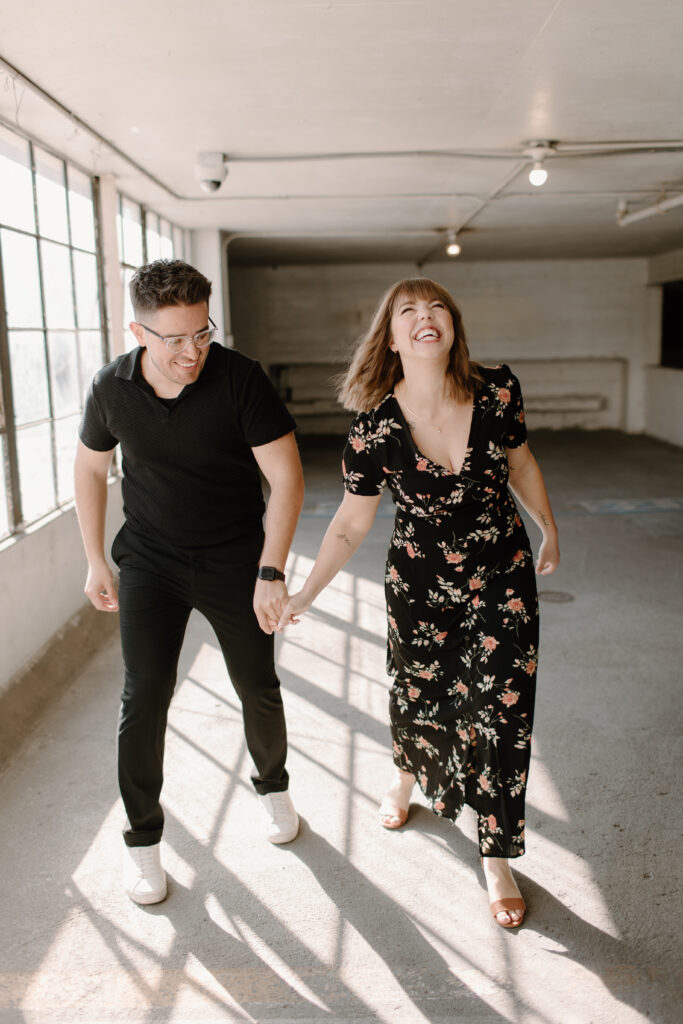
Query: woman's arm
x=527 y=484
x=349 y=527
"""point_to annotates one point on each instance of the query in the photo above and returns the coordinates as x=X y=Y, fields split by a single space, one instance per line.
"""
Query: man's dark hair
x=167 y=283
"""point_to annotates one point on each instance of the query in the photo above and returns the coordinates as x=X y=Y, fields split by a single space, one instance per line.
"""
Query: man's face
x=160 y=365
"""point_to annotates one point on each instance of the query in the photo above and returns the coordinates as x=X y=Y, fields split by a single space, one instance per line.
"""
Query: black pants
x=159 y=585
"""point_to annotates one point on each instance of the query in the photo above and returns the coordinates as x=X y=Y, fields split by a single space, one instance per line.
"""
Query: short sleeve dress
x=462 y=610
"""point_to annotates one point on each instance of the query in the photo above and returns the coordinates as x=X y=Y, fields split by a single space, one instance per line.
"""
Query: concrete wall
x=664 y=386
x=664 y=404
x=575 y=331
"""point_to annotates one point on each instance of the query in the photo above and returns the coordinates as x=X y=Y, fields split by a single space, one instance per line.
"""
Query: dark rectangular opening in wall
x=672 y=324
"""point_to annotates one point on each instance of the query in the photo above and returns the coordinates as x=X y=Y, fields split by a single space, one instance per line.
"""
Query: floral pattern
x=462 y=610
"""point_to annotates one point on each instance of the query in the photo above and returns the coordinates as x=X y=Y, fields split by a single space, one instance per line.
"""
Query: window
x=51 y=333
x=672 y=324
x=144 y=236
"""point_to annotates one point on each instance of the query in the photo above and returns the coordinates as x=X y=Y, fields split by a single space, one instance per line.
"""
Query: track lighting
x=453 y=249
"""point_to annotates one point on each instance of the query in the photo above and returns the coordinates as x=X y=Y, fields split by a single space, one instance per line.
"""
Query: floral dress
x=462 y=610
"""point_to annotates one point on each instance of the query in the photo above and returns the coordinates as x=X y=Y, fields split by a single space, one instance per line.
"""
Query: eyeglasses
x=179 y=342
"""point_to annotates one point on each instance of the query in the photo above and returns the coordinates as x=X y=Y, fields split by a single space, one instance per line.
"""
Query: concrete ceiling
x=361 y=130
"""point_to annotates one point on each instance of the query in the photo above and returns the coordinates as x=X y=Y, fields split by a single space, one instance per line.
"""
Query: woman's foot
x=393 y=811
x=507 y=906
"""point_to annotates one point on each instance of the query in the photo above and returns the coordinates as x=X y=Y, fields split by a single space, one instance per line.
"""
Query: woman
x=447 y=436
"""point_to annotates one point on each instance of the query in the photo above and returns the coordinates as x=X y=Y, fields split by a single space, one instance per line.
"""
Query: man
x=195 y=422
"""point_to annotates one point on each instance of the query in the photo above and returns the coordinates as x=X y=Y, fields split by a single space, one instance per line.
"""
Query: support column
x=207 y=255
x=113 y=285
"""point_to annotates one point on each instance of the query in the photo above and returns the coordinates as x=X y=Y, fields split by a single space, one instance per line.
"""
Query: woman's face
x=421 y=329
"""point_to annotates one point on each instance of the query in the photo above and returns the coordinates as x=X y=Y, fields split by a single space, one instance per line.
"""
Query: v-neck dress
x=462 y=610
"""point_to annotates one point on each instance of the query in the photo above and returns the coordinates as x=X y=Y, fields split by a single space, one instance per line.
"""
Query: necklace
x=433 y=426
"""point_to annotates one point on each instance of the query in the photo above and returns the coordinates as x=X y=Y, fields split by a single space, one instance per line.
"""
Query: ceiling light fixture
x=538 y=151
x=453 y=249
x=538 y=174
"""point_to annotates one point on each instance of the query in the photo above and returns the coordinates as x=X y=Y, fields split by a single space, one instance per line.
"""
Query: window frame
x=10 y=469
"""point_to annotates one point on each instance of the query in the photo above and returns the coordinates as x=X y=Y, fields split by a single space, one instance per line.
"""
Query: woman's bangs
x=419 y=288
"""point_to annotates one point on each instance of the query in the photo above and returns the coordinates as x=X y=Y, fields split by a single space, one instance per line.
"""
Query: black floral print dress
x=462 y=610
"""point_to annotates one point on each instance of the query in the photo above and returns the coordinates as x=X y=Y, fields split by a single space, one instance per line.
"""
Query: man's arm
x=281 y=466
x=90 y=493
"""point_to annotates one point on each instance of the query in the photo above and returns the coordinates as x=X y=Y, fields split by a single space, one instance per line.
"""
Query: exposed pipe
x=661 y=206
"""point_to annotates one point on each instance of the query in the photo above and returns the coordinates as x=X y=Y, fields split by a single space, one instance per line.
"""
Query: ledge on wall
x=29 y=694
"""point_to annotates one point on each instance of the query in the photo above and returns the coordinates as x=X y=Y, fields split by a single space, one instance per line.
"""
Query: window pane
x=29 y=376
x=128 y=313
x=87 y=295
x=4 y=517
x=177 y=243
x=91 y=356
x=57 y=286
x=36 y=478
x=16 y=189
x=66 y=393
x=153 y=237
x=66 y=435
x=22 y=284
x=166 y=233
x=81 y=210
x=51 y=194
x=132 y=233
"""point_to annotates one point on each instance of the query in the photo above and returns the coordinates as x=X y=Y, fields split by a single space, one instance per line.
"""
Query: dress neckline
x=421 y=454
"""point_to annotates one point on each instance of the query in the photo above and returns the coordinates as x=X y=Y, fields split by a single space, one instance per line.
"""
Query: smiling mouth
x=428 y=334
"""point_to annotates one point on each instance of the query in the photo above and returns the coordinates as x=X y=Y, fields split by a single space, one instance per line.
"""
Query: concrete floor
x=351 y=923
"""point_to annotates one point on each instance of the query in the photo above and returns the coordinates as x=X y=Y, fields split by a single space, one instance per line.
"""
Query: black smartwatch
x=269 y=572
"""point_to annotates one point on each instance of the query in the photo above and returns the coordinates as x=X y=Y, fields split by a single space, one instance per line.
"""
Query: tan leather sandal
x=393 y=819
x=505 y=906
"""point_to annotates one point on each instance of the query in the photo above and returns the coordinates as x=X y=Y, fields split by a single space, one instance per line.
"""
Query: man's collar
x=129 y=367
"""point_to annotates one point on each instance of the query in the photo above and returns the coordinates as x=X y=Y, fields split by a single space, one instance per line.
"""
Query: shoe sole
x=148 y=898
x=286 y=838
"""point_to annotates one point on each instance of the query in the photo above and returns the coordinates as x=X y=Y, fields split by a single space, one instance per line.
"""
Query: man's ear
x=138 y=332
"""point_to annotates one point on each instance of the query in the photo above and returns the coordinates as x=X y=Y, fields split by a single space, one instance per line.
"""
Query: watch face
x=266 y=573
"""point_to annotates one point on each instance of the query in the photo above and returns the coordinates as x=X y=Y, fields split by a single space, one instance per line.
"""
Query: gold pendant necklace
x=431 y=425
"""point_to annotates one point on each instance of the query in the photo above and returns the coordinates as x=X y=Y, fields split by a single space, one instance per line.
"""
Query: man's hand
x=100 y=589
x=270 y=598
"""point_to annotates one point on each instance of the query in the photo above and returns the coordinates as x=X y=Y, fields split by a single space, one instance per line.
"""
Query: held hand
x=100 y=589
x=548 y=556
x=270 y=597
x=296 y=606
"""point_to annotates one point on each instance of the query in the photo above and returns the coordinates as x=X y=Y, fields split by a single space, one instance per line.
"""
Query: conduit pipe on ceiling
x=661 y=206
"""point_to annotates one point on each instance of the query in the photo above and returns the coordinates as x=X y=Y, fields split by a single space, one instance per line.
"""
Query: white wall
x=42 y=575
x=574 y=330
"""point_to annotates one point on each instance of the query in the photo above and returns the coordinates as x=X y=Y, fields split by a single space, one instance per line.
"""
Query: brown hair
x=375 y=369
x=167 y=283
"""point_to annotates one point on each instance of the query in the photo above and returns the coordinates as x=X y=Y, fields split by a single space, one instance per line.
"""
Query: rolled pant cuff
x=131 y=838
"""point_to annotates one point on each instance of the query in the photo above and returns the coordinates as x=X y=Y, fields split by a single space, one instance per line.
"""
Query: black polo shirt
x=189 y=474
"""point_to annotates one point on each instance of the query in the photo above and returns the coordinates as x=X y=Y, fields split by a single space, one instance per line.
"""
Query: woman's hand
x=296 y=606
x=548 y=556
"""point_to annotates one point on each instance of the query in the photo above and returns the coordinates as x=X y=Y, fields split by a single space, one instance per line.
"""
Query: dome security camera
x=211 y=171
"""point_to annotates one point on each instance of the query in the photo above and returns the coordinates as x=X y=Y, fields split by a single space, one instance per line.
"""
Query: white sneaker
x=143 y=875
x=283 y=821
